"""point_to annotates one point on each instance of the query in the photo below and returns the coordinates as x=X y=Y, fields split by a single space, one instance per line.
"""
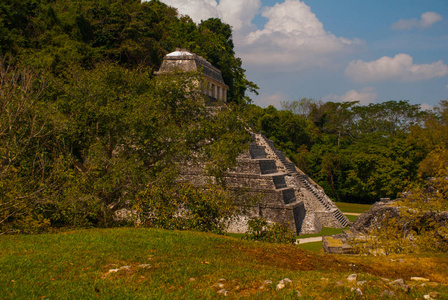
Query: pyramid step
x=257 y=152
x=340 y=217
x=289 y=195
x=267 y=166
x=279 y=180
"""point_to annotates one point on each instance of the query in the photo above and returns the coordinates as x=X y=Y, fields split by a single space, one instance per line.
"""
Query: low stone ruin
x=370 y=220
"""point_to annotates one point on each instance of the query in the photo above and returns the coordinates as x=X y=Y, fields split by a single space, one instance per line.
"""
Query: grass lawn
x=352 y=207
x=351 y=218
x=132 y=263
x=313 y=246
x=324 y=231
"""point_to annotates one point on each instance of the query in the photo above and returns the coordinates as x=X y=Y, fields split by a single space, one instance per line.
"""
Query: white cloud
x=399 y=68
x=197 y=9
x=426 y=21
x=292 y=37
x=239 y=13
x=365 y=96
x=264 y=100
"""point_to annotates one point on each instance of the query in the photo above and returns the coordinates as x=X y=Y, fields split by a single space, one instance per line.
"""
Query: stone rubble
x=126 y=268
x=352 y=277
x=358 y=291
x=421 y=279
x=144 y=266
x=223 y=292
x=432 y=295
x=283 y=283
x=399 y=283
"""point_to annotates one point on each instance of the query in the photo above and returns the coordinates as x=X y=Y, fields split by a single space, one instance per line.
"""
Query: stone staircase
x=269 y=167
x=258 y=174
x=304 y=181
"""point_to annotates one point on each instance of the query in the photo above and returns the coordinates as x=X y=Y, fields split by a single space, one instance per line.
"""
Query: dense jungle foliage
x=56 y=34
x=85 y=127
x=359 y=153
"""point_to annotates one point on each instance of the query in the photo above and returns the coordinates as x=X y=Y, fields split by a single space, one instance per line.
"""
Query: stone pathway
x=351 y=214
x=309 y=240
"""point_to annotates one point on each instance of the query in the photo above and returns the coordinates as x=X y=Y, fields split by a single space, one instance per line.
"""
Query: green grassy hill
x=132 y=263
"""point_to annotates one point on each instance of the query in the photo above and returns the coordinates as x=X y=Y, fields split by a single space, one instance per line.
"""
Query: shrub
x=260 y=230
x=183 y=206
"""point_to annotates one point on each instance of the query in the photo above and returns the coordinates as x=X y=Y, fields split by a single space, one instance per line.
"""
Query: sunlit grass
x=189 y=265
x=325 y=231
x=313 y=246
x=351 y=218
x=352 y=207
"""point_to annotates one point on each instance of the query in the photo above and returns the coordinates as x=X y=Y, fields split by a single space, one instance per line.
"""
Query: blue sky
x=345 y=50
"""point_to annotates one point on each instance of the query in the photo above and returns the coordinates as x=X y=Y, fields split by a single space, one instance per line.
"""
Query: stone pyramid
x=284 y=193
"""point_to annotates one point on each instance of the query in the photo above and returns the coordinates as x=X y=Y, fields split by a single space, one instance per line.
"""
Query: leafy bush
x=183 y=206
x=78 y=148
x=260 y=230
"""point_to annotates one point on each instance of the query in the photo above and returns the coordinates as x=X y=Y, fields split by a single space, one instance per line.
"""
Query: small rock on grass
x=432 y=295
x=358 y=291
x=223 y=292
x=361 y=282
x=419 y=279
x=399 y=283
x=127 y=268
x=144 y=266
x=264 y=284
x=352 y=277
x=283 y=283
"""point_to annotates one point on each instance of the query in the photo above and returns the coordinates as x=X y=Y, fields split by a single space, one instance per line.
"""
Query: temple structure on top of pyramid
x=284 y=193
x=182 y=60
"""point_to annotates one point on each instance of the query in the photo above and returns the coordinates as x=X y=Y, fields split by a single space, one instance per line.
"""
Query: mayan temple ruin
x=286 y=194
